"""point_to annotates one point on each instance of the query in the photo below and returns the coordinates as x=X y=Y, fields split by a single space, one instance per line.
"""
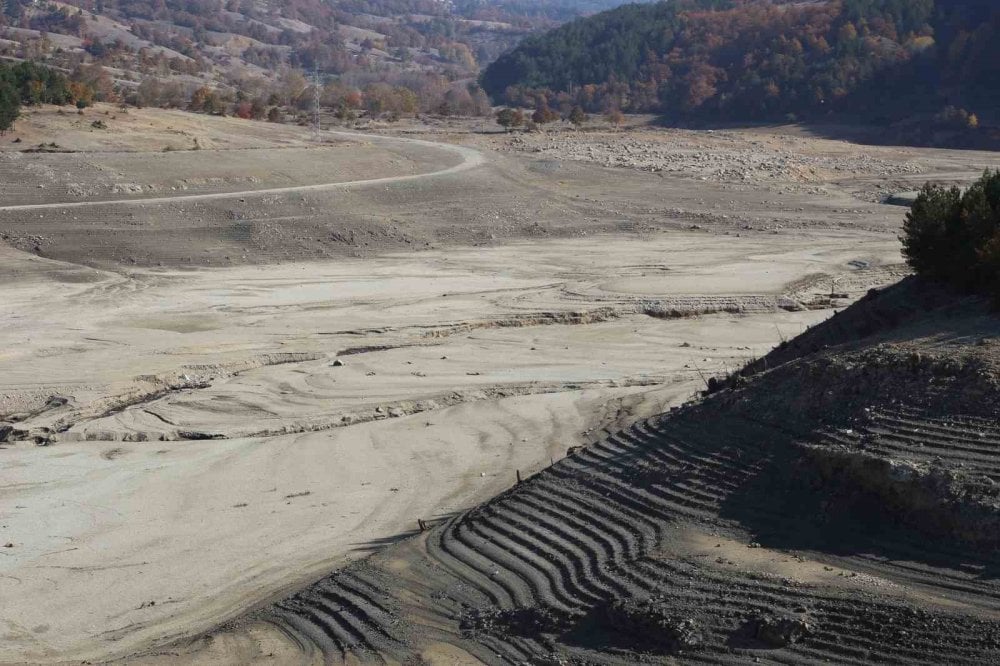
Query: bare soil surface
x=214 y=392
x=837 y=505
x=251 y=197
x=213 y=437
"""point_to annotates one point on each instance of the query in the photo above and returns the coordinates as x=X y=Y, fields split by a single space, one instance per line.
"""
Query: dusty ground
x=215 y=399
x=837 y=505
x=540 y=186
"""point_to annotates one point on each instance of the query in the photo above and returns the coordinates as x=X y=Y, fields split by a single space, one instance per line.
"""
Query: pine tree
x=10 y=105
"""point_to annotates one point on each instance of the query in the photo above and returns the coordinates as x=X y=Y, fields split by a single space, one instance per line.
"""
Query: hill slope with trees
x=766 y=60
x=28 y=84
x=250 y=57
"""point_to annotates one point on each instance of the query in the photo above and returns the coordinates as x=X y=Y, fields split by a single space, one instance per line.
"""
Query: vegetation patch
x=889 y=61
x=954 y=236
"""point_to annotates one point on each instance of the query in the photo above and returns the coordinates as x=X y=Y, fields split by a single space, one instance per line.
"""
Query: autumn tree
x=81 y=94
x=98 y=80
x=243 y=109
x=543 y=114
x=206 y=100
x=509 y=118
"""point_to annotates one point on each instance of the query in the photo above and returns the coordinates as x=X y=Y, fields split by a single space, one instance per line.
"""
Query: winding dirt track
x=470 y=159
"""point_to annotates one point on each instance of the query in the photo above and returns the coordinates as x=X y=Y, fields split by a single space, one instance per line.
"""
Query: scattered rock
x=779 y=631
x=650 y=623
x=532 y=621
x=195 y=435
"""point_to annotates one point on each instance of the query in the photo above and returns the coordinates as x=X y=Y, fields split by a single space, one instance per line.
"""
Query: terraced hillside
x=840 y=506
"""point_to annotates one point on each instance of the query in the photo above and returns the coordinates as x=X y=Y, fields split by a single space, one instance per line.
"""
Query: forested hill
x=766 y=60
x=384 y=58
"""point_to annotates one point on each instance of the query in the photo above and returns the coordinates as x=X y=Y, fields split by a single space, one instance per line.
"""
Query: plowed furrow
x=602 y=558
x=715 y=472
x=507 y=570
x=567 y=563
x=548 y=583
x=967 y=429
x=588 y=557
x=936 y=445
x=339 y=620
x=308 y=635
x=839 y=644
x=609 y=487
x=327 y=633
x=457 y=544
x=371 y=624
x=467 y=585
x=602 y=518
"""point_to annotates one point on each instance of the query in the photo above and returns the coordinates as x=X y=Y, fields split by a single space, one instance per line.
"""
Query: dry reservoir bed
x=215 y=438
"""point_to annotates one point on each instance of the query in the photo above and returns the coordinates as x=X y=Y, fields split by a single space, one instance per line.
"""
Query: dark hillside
x=257 y=60
x=883 y=60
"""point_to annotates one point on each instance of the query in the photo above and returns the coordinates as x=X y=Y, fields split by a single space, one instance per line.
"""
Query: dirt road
x=469 y=159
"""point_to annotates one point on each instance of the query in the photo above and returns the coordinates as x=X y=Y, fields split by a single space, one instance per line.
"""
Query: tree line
x=764 y=60
x=29 y=84
x=289 y=94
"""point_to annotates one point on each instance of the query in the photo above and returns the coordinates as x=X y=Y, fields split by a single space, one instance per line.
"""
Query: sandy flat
x=461 y=367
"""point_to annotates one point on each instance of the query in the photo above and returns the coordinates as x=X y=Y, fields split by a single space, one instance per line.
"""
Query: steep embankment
x=840 y=506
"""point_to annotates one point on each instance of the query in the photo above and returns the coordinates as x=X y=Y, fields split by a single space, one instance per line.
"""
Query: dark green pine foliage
x=954 y=237
x=608 y=45
x=28 y=83
x=10 y=101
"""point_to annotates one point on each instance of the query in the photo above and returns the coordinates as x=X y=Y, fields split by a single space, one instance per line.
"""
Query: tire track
x=726 y=531
x=592 y=528
x=470 y=159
